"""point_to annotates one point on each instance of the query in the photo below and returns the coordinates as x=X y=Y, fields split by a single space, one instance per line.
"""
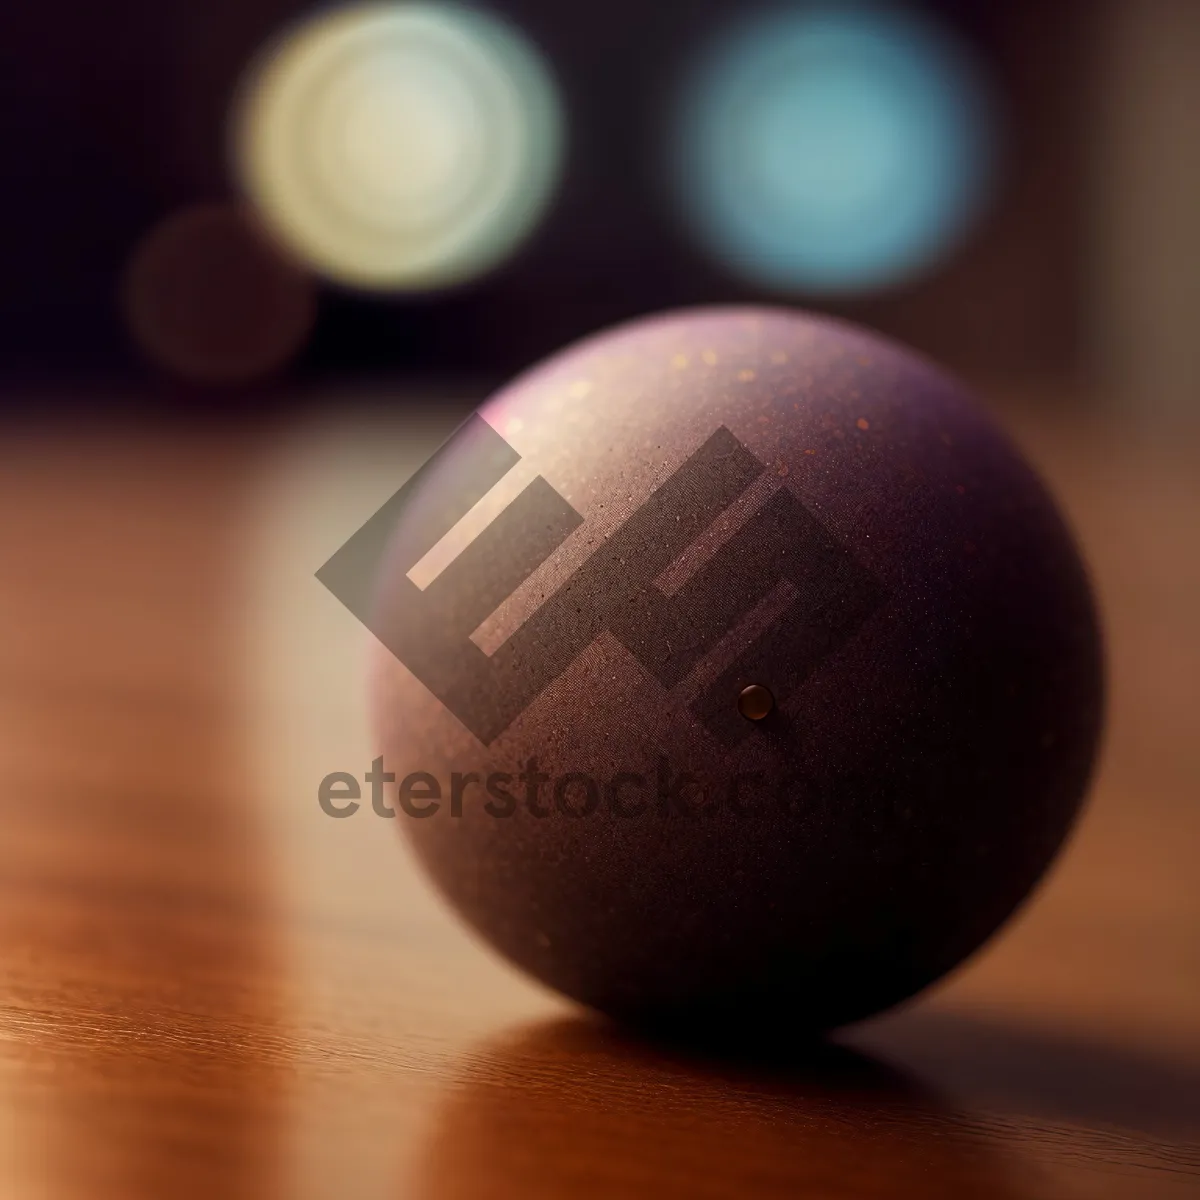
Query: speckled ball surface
x=760 y=684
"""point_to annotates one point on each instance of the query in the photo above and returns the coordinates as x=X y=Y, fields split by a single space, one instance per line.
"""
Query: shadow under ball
x=769 y=672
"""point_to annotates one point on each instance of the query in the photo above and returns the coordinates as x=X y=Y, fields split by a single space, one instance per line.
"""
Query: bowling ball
x=735 y=671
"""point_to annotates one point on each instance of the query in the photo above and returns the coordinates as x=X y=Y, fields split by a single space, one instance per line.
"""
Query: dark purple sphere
x=805 y=658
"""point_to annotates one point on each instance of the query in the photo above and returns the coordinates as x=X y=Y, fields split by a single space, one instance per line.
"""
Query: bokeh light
x=834 y=148
x=209 y=298
x=401 y=147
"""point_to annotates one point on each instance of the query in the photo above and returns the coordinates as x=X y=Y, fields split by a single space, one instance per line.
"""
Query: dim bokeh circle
x=400 y=147
x=833 y=149
x=209 y=298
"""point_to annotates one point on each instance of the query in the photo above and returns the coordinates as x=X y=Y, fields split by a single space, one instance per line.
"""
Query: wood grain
x=210 y=989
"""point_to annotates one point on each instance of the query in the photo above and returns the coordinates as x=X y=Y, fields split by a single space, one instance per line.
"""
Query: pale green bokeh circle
x=400 y=147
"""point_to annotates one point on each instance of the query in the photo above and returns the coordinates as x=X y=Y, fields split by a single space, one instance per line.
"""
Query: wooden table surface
x=209 y=988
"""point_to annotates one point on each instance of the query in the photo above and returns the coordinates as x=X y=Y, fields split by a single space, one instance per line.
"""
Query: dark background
x=116 y=116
